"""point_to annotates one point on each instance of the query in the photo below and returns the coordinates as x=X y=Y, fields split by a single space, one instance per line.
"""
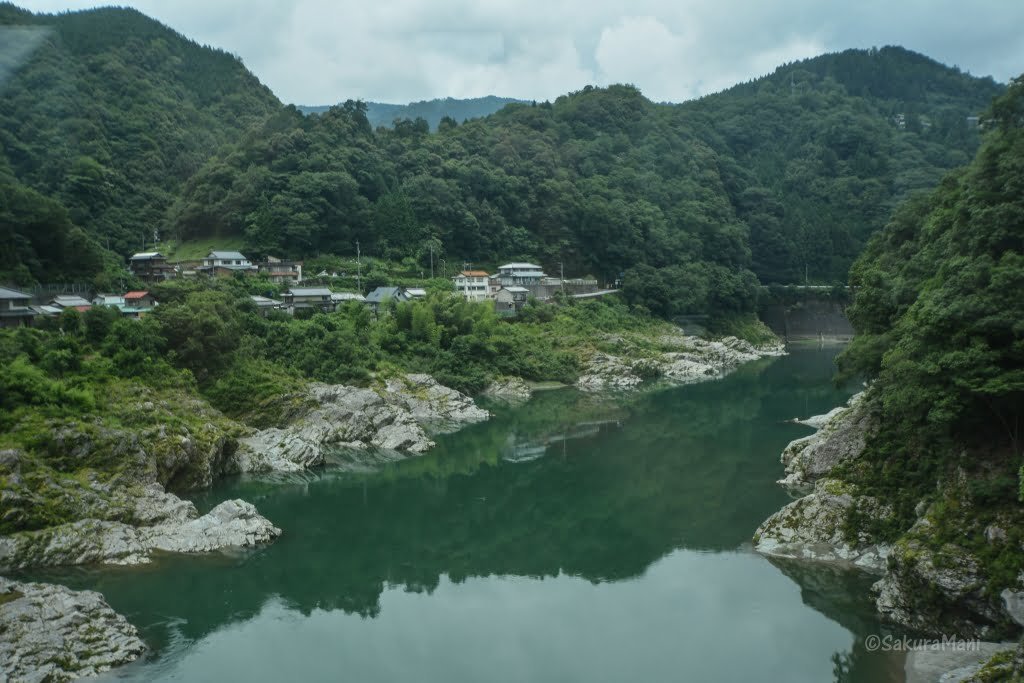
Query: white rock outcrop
x=178 y=528
x=685 y=359
x=397 y=417
x=52 y=633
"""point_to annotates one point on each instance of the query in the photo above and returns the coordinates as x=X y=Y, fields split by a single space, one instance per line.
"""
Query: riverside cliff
x=928 y=582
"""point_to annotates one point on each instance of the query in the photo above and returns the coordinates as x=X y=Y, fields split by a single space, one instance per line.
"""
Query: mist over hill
x=432 y=111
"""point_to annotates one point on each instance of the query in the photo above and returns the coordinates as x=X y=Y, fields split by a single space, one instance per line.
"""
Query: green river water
x=575 y=538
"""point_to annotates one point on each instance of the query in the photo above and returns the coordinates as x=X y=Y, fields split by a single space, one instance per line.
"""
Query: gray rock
x=687 y=359
x=812 y=528
x=1013 y=603
x=233 y=523
x=841 y=437
x=51 y=633
x=512 y=390
x=954 y=664
x=396 y=417
x=937 y=591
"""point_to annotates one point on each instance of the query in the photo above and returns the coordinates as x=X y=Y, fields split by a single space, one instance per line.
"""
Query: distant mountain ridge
x=383 y=114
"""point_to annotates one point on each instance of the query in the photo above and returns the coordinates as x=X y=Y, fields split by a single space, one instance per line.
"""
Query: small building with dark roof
x=151 y=266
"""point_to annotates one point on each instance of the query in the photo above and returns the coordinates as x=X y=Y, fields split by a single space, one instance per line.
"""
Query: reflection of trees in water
x=844 y=596
x=687 y=468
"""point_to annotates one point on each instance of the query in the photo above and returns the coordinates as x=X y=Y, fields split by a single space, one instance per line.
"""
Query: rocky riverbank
x=676 y=358
x=51 y=633
x=397 y=416
x=938 y=588
x=116 y=507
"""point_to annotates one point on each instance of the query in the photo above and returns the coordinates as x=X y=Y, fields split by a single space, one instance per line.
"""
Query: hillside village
x=509 y=289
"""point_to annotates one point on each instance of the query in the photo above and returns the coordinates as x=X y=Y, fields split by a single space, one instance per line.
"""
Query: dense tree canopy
x=939 y=314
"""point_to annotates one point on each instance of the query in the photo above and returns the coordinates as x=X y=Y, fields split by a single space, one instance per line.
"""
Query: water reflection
x=567 y=487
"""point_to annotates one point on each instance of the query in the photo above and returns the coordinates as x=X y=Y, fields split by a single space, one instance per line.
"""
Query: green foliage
x=938 y=312
x=101 y=124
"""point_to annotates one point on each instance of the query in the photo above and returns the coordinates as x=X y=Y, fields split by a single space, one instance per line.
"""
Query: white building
x=231 y=260
x=471 y=284
x=520 y=274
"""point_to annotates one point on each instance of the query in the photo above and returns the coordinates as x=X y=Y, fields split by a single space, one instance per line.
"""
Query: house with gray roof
x=299 y=298
x=14 y=308
x=71 y=301
x=223 y=263
x=381 y=295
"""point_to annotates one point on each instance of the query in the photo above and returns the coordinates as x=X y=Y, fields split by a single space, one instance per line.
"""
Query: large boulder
x=51 y=633
x=815 y=528
x=512 y=390
x=177 y=528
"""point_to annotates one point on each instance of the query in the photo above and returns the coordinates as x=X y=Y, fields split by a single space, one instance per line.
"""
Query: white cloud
x=323 y=51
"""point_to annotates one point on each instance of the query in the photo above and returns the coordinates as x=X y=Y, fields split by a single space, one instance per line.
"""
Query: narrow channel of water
x=575 y=538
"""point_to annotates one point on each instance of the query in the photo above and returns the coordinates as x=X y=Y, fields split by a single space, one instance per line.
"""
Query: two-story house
x=222 y=263
x=14 y=308
x=520 y=274
x=139 y=300
x=299 y=298
x=151 y=266
x=472 y=284
x=281 y=271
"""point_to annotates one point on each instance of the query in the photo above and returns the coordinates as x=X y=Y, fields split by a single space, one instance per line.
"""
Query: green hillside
x=107 y=112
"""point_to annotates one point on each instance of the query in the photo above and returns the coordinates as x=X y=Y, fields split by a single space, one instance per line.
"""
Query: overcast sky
x=326 y=51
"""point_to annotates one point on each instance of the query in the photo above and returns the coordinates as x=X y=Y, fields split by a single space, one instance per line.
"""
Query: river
x=575 y=538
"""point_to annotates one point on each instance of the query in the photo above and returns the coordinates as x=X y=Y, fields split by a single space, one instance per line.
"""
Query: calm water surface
x=574 y=538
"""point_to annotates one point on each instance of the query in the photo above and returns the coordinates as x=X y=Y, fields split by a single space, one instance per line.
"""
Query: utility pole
x=431 y=261
x=359 y=272
x=561 y=276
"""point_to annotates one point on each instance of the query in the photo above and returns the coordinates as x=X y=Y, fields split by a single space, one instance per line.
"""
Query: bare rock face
x=397 y=417
x=51 y=633
x=178 y=528
x=841 y=436
x=939 y=590
x=813 y=528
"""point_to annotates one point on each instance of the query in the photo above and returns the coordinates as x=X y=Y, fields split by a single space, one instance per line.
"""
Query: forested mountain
x=939 y=315
x=133 y=129
x=431 y=111
x=820 y=152
x=106 y=112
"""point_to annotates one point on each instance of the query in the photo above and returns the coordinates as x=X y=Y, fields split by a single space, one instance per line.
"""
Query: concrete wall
x=809 y=319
